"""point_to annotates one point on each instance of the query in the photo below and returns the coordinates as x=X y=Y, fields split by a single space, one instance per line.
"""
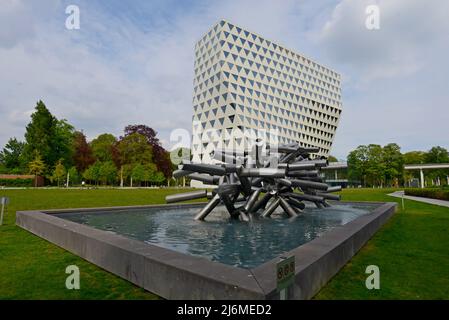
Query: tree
x=414 y=157
x=11 y=155
x=63 y=142
x=59 y=172
x=160 y=155
x=158 y=177
x=358 y=164
x=134 y=149
x=102 y=147
x=131 y=151
x=332 y=159
x=39 y=135
x=150 y=171
x=376 y=168
x=53 y=138
x=92 y=173
x=138 y=173
x=437 y=155
x=73 y=175
x=36 y=166
x=107 y=172
x=82 y=157
x=393 y=162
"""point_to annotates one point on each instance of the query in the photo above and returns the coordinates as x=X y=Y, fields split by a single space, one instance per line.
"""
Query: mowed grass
x=32 y=268
x=411 y=250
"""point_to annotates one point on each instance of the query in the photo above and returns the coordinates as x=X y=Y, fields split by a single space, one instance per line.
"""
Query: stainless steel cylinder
x=186 y=196
x=271 y=208
x=252 y=200
x=309 y=184
x=303 y=173
x=180 y=173
x=262 y=172
x=296 y=203
x=207 y=179
x=208 y=208
x=261 y=203
x=287 y=208
x=329 y=196
x=304 y=197
x=204 y=168
x=334 y=189
x=300 y=166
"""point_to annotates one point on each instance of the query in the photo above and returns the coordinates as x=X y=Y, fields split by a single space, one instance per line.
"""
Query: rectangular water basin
x=164 y=250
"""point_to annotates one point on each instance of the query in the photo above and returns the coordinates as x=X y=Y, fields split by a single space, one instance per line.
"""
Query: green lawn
x=411 y=251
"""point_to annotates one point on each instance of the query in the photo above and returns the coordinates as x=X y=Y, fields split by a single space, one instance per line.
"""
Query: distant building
x=246 y=86
x=336 y=174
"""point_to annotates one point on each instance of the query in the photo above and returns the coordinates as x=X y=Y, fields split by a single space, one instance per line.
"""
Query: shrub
x=439 y=194
x=17 y=182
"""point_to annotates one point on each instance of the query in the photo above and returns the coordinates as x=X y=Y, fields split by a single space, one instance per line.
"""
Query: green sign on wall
x=285 y=272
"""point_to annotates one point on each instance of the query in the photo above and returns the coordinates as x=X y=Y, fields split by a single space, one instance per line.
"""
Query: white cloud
x=404 y=44
x=123 y=69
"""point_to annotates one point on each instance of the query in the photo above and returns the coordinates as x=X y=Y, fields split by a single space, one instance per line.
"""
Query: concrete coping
x=175 y=275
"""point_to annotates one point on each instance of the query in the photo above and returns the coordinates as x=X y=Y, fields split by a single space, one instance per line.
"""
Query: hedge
x=429 y=193
x=17 y=182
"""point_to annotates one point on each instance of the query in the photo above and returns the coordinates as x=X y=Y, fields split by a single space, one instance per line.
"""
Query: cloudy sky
x=132 y=62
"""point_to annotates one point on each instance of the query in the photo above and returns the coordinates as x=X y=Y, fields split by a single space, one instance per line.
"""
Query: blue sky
x=132 y=62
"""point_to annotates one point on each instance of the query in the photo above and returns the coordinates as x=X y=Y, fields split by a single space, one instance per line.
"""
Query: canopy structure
x=426 y=166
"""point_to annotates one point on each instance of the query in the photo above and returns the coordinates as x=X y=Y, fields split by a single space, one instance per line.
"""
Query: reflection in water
x=236 y=243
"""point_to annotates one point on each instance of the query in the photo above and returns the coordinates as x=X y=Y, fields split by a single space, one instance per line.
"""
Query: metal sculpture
x=249 y=183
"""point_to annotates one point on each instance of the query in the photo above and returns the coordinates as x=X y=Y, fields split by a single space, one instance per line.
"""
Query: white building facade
x=247 y=87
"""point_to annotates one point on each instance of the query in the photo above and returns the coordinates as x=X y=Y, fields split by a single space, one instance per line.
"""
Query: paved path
x=399 y=194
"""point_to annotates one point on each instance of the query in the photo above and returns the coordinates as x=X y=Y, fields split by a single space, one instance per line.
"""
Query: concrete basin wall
x=174 y=275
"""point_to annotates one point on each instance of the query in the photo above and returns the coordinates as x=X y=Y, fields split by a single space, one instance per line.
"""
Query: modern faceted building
x=247 y=87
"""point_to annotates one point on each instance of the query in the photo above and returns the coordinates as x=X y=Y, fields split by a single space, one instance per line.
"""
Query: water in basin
x=221 y=239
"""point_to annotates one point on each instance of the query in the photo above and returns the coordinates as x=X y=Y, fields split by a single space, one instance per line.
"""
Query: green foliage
x=37 y=165
x=63 y=142
x=373 y=165
x=17 y=182
x=11 y=155
x=102 y=147
x=393 y=162
x=74 y=176
x=332 y=159
x=437 y=155
x=59 y=173
x=414 y=157
x=92 y=174
x=134 y=149
x=138 y=173
x=158 y=178
x=40 y=133
x=107 y=172
x=439 y=194
x=51 y=137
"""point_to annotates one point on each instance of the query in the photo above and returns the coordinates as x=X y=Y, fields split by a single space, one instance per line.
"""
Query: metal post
x=4 y=202
x=1 y=216
x=403 y=204
x=421 y=174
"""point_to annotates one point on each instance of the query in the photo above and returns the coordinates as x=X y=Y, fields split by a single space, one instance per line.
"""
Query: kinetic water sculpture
x=249 y=183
